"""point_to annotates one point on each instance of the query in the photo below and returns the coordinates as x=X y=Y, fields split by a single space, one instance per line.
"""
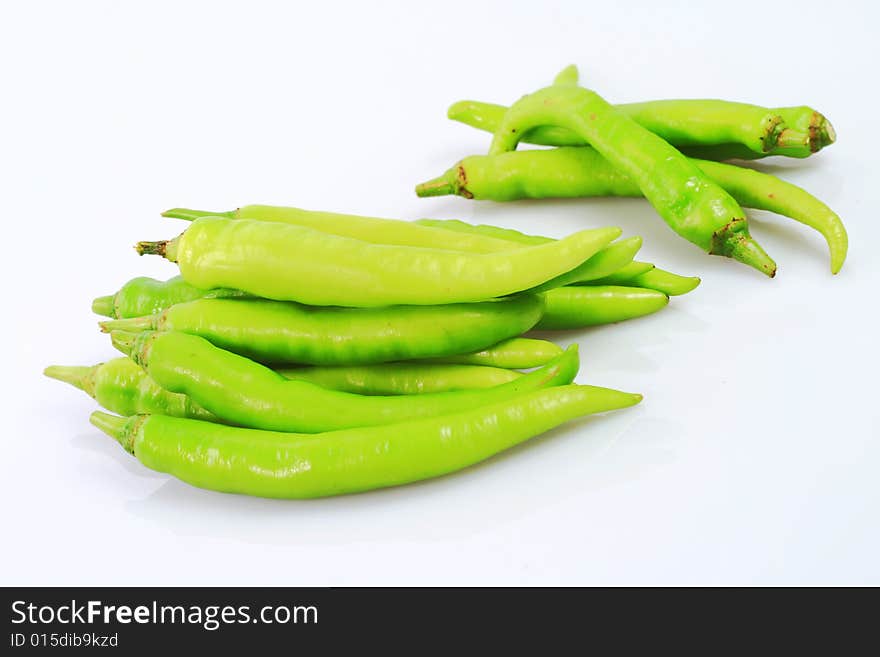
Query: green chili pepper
x=670 y=284
x=690 y=203
x=146 y=296
x=806 y=119
x=607 y=261
x=629 y=274
x=422 y=233
x=516 y=353
x=366 y=229
x=462 y=227
x=820 y=133
x=625 y=275
x=712 y=129
x=579 y=306
x=567 y=76
x=294 y=263
x=270 y=464
x=286 y=332
x=581 y=172
x=121 y=386
x=246 y=393
x=402 y=378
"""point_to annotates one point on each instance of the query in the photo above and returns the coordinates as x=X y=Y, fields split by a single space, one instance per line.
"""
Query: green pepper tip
x=685 y=284
x=457 y=109
x=567 y=76
x=188 y=214
x=614 y=399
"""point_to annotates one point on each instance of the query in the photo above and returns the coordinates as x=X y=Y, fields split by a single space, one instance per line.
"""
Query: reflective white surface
x=753 y=458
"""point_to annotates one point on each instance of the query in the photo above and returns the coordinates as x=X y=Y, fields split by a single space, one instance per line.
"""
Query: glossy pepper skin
x=630 y=274
x=402 y=378
x=575 y=172
x=709 y=129
x=423 y=234
x=499 y=232
x=580 y=306
x=294 y=263
x=146 y=296
x=608 y=260
x=373 y=230
x=246 y=393
x=285 y=332
x=516 y=353
x=290 y=466
x=121 y=386
x=690 y=202
x=672 y=285
x=820 y=133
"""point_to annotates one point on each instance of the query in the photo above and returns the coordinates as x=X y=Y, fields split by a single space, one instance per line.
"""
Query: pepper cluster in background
x=662 y=150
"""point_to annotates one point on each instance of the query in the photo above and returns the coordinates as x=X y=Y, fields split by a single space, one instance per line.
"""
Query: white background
x=754 y=457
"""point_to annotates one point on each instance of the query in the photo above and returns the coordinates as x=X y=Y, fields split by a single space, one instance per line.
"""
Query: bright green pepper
x=366 y=229
x=422 y=233
x=462 y=227
x=121 y=386
x=625 y=275
x=281 y=465
x=146 y=296
x=516 y=353
x=246 y=393
x=579 y=306
x=709 y=129
x=820 y=133
x=402 y=378
x=670 y=284
x=582 y=172
x=629 y=274
x=690 y=203
x=286 y=332
x=288 y=262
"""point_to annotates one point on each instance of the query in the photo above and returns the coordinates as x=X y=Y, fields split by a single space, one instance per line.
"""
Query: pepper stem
x=165 y=248
x=130 y=324
x=790 y=138
x=749 y=252
x=735 y=242
x=124 y=341
x=75 y=375
x=152 y=248
x=103 y=306
x=438 y=186
x=191 y=215
x=827 y=136
x=121 y=429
